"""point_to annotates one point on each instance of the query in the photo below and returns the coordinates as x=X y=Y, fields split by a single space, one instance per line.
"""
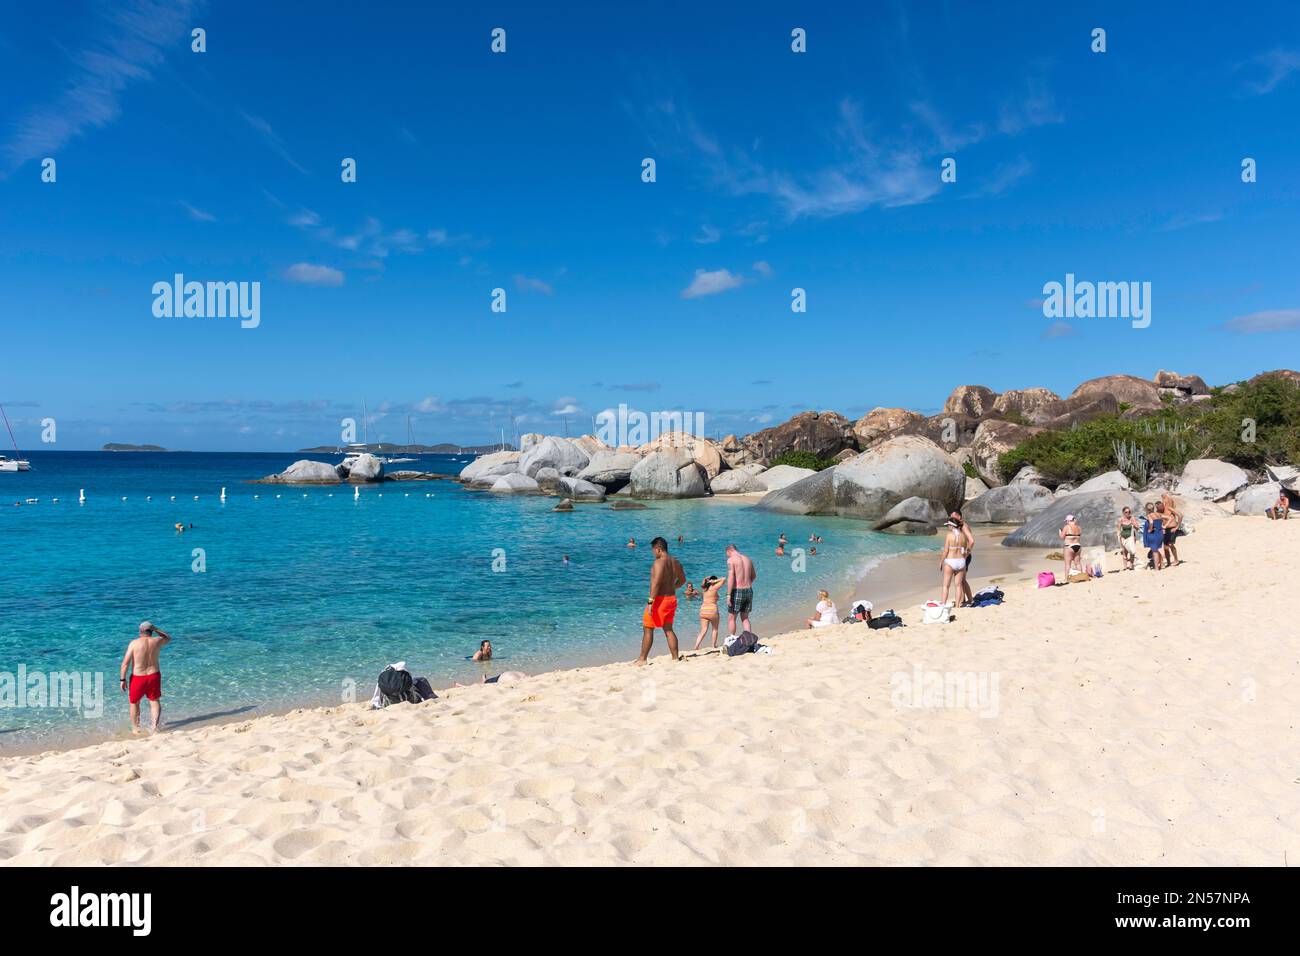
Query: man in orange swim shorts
x=666 y=576
x=141 y=659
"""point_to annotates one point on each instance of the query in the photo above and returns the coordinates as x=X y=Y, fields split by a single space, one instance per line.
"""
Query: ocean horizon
x=288 y=595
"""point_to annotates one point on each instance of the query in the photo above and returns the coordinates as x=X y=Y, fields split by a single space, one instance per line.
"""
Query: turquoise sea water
x=302 y=595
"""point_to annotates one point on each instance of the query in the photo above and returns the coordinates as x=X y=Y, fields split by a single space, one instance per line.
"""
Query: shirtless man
x=1173 y=521
x=1281 y=509
x=666 y=576
x=740 y=588
x=141 y=658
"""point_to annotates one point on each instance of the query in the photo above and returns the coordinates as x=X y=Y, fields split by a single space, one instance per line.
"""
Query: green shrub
x=971 y=471
x=803 y=459
x=1166 y=439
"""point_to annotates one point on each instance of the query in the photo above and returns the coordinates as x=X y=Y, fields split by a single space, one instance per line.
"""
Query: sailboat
x=17 y=463
x=409 y=443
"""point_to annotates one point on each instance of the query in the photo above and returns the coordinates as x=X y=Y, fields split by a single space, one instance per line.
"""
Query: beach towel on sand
x=742 y=643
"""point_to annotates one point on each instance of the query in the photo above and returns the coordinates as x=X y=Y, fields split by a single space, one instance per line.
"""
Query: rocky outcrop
x=305 y=472
x=1285 y=374
x=992 y=439
x=576 y=489
x=824 y=434
x=1211 y=480
x=912 y=516
x=812 y=495
x=514 y=484
x=737 y=482
x=610 y=469
x=1257 y=499
x=974 y=488
x=1010 y=504
x=1081 y=408
x=1023 y=402
x=1181 y=387
x=902 y=467
x=782 y=476
x=881 y=423
x=1288 y=476
x=592 y=445
x=972 y=401
x=1095 y=511
x=1110 y=481
x=563 y=455
x=491 y=466
x=734 y=452
x=669 y=473
x=565 y=505
x=1138 y=394
x=704 y=451
x=364 y=469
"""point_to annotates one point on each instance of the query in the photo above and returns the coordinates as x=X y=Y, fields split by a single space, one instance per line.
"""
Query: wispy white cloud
x=712 y=283
x=271 y=139
x=525 y=284
x=131 y=39
x=306 y=273
x=763 y=268
x=1278 y=320
x=198 y=215
x=1059 y=330
x=1004 y=176
x=1270 y=70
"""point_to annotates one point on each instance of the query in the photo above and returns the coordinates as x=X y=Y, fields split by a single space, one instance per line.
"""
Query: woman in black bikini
x=1072 y=535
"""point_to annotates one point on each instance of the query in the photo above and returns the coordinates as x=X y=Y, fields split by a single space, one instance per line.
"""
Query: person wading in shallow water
x=666 y=576
x=141 y=659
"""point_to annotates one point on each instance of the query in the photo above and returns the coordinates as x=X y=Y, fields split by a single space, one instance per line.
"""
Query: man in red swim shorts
x=141 y=658
x=666 y=576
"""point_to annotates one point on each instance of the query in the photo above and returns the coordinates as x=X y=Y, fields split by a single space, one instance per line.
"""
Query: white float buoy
x=255 y=497
x=304 y=494
x=196 y=497
x=356 y=493
x=277 y=496
x=148 y=497
x=54 y=500
x=223 y=494
x=173 y=497
x=124 y=497
x=82 y=500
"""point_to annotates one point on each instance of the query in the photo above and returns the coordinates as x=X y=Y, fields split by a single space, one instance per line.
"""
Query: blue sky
x=522 y=171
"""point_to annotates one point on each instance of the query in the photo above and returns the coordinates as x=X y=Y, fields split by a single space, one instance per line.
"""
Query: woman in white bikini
x=953 y=561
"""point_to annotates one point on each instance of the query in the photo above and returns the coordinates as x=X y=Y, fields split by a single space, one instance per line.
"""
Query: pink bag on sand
x=1046 y=579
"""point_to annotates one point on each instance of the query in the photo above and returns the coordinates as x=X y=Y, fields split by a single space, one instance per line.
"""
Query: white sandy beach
x=1144 y=718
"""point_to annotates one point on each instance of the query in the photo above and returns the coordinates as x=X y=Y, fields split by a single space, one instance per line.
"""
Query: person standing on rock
x=666 y=576
x=740 y=588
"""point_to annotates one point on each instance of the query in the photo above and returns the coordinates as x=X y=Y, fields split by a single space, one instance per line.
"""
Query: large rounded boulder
x=992 y=440
x=365 y=469
x=514 y=484
x=610 y=469
x=1211 y=480
x=1023 y=401
x=974 y=401
x=1257 y=499
x=881 y=423
x=705 y=452
x=782 y=476
x=814 y=495
x=1095 y=511
x=825 y=434
x=1139 y=394
x=737 y=482
x=903 y=467
x=565 y=456
x=1009 y=504
x=668 y=473
x=491 y=466
x=912 y=516
x=305 y=472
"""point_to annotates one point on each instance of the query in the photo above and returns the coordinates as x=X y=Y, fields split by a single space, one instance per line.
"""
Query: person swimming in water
x=484 y=652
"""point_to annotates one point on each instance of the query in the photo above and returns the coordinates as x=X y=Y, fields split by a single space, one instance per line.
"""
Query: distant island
x=114 y=446
x=388 y=448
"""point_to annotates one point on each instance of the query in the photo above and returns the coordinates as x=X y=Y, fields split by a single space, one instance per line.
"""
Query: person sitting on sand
x=1281 y=509
x=709 y=616
x=825 y=614
x=1153 y=535
x=953 y=560
x=1128 y=529
x=141 y=658
x=1071 y=536
x=484 y=652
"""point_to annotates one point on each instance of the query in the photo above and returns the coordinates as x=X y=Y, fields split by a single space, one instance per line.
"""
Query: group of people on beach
x=667 y=576
x=1158 y=529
